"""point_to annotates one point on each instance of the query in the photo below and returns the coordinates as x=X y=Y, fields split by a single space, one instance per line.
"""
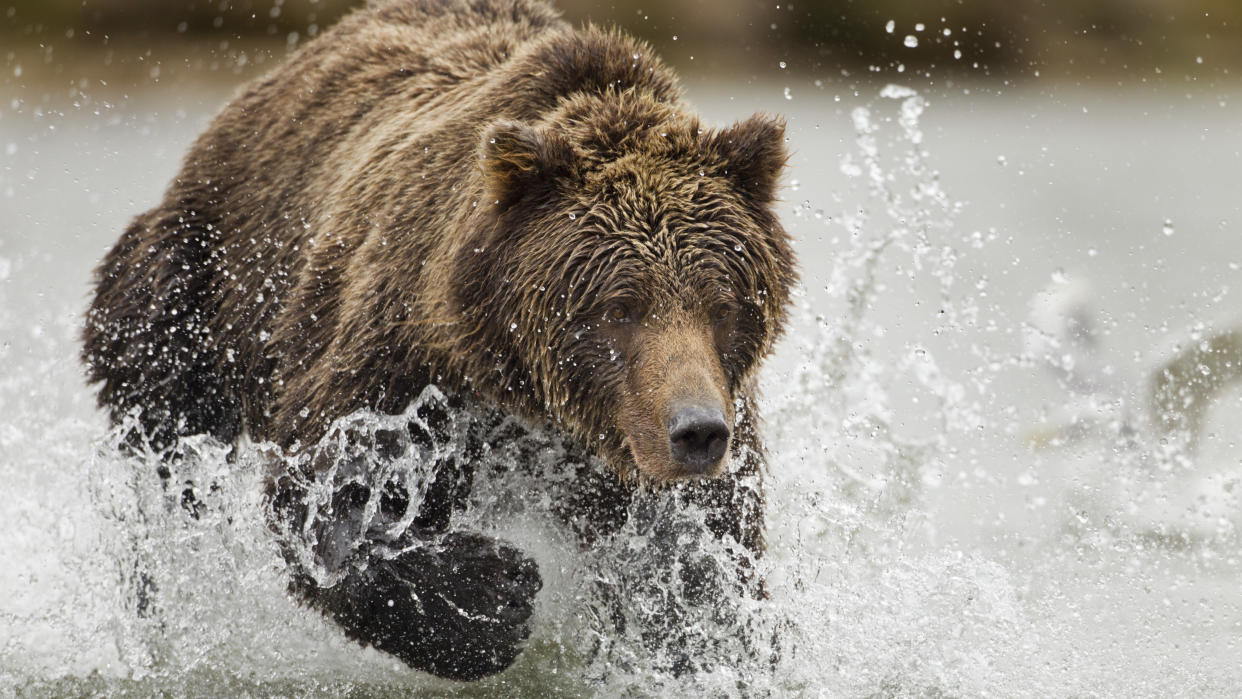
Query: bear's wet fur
x=475 y=195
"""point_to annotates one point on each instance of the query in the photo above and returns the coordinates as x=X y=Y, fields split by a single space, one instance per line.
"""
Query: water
x=968 y=496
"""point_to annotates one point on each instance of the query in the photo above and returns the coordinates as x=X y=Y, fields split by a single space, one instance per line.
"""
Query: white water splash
x=867 y=597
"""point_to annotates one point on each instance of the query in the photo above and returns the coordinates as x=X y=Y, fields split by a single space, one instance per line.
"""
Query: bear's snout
x=677 y=412
x=698 y=438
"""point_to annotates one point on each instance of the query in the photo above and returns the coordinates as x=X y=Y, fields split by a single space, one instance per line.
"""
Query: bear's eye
x=618 y=313
x=721 y=312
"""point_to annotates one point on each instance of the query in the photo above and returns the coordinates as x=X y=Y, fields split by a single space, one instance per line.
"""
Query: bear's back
x=395 y=55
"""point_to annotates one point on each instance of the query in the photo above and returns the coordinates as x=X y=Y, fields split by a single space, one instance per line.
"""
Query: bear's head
x=632 y=276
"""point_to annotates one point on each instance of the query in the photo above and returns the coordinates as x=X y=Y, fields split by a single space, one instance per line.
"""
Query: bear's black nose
x=698 y=437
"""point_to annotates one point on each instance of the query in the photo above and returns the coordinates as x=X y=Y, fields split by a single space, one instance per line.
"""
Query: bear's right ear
x=518 y=159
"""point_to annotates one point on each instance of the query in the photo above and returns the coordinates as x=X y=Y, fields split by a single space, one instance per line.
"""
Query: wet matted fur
x=475 y=195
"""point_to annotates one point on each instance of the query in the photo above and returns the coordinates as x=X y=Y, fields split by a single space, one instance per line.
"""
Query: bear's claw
x=457 y=607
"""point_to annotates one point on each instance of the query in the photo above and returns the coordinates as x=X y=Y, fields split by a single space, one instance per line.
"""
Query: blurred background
x=1069 y=39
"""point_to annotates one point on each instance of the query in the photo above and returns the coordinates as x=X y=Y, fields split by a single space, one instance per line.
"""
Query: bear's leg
x=143 y=342
x=456 y=606
x=682 y=596
x=451 y=603
x=145 y=339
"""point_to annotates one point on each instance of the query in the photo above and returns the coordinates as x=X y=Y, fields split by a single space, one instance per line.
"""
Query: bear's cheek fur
x=667 y=367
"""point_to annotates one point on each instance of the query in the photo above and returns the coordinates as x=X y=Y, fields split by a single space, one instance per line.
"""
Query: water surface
x=951 y=512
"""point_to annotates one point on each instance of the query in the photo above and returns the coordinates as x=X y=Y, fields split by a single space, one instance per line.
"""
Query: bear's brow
x=682 y=230
x=669 y=261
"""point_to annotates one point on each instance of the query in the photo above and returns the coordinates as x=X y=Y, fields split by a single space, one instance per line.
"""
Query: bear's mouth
x=674 y=470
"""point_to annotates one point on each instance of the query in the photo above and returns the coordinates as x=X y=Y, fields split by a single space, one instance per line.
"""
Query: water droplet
x=788 y=95
x=890 y=26
x=572 y=216
x=1167 y=229
x=783 y=65
x=911 y=41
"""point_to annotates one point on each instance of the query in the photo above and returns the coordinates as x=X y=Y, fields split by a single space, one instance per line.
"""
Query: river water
x=969 y=496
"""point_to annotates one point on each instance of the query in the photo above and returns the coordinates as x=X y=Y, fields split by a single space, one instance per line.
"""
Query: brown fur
x=456 y=193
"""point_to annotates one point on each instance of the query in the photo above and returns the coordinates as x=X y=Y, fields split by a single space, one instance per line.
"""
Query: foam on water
x=865 y=596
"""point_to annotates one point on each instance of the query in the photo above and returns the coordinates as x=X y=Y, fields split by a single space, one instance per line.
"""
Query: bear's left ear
x=517 y=159
x=754 y=155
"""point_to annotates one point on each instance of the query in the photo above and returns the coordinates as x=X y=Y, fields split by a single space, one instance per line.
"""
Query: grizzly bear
x=474 y=195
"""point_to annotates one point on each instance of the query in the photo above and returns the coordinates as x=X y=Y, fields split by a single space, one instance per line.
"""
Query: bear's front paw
x=457 y=607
